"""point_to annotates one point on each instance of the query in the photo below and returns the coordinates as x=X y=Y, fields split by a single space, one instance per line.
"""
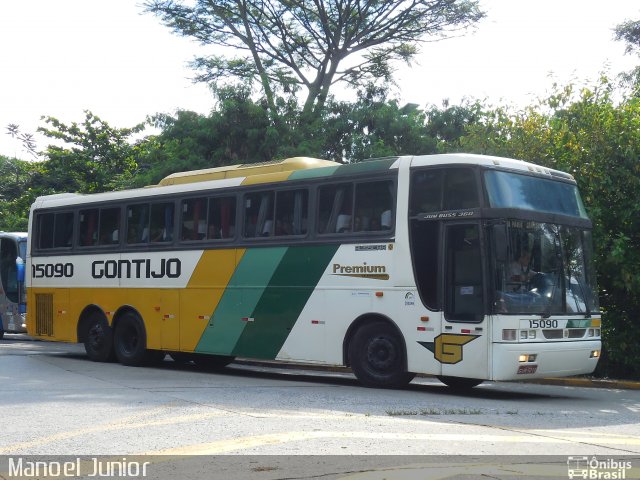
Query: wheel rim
x=382 y=354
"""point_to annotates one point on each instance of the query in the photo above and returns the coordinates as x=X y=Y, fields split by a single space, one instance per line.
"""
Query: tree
x=16 y=194
x=629 y=32
x=94 y=155
x=287 y=45
x=238 y=131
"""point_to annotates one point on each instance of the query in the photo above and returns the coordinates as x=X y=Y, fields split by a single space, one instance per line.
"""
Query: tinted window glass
x=258 y=214
x=512 y=190
x=291 y=212
x=443 y=189
x=208 y=219
x=374 y=203
x=335 y=211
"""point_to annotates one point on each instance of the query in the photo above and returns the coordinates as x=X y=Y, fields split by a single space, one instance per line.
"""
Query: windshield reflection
x=547 y=271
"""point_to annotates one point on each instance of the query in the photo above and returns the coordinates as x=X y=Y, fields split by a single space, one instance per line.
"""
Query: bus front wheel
x=98 y=339
x=377 y=356
x=130 y=340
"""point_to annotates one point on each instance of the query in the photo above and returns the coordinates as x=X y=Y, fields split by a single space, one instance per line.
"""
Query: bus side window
x=335 y=207
x=109 y=226
x=138 y=223
x=161 y=224
x=460 y=189
x=374 y=206
x=88 y=227
x=426 y=192
x=258 y=214
x=194 y=223
x=291 y=212
x=45 y=223
x=222 y=218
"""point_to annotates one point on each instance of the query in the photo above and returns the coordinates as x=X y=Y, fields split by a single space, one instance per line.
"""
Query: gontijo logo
x=447 y=347
x=375 y=272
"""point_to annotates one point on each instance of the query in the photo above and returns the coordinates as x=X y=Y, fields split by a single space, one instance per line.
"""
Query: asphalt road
x=57 y=402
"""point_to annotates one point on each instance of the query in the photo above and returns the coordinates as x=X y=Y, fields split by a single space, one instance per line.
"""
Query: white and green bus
x=392 y=267
x=13 y=252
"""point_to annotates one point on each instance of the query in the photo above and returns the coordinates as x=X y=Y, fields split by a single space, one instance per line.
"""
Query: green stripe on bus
x=283 y=300
x=313 y=173
x=240 y=299
x=346 y=169
x=365 y=167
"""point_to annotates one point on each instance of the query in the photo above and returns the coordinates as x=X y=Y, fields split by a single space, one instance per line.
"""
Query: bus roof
x=488 y=161
x=297 y=168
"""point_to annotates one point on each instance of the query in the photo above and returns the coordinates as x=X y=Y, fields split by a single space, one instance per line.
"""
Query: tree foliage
x=286 y=45
x=88 y=157
x=629 y=32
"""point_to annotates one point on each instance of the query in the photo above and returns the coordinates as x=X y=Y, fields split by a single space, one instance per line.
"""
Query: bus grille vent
x=44 y=314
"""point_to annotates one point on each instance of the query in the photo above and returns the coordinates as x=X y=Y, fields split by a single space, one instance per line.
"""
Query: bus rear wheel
x=130 y=341
x=98 y=339
x=377 y=356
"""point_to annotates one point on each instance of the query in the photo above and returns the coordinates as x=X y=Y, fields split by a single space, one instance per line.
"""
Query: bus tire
x=377 y=356
x=98 y=339
x=212 y=362
x=460 y=383
x=130 y=341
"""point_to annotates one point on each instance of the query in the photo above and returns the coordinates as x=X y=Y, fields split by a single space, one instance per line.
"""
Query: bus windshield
x=547 y=270
x=513 y=190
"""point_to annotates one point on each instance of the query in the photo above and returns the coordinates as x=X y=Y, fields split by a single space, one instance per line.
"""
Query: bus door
x=465 y=338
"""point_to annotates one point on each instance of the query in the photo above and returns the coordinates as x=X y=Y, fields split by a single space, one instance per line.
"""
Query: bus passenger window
x=335 y=208
x=258 y=214
x=291 y=212
x=63 y=230
x=374 y=203
x=194 y=224
x=222 y=218
x=88 y=227
x=161 y=229
x=109 y=226
x=138 y=224
x=45 y=222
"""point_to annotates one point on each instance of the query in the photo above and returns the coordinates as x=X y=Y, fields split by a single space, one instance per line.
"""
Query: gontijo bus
x=390 y=266
x=13 y=252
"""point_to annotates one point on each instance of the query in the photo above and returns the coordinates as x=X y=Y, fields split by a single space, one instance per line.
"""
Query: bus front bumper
x=522 y=361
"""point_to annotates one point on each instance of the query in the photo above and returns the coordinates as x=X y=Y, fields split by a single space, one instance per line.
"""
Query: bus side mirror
x=20 y=269
x=500 y=242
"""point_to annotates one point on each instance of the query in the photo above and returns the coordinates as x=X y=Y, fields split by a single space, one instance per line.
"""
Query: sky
x=59 y=58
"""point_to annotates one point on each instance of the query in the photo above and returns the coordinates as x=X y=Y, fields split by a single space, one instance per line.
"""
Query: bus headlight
x=527 y=357
x=595 y=354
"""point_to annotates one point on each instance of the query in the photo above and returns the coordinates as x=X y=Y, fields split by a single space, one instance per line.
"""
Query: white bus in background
x=13 y=295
